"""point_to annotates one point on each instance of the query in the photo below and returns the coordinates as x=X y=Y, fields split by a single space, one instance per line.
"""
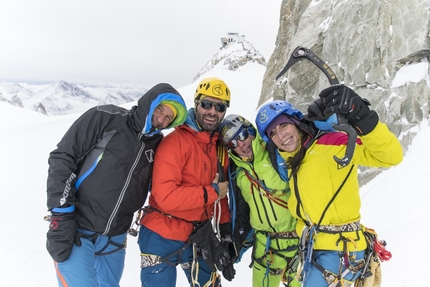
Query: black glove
x=316 y=111
x=226 y=239
x=212 y=250
x=62 y=233
x=340 y=99
x=229 y=272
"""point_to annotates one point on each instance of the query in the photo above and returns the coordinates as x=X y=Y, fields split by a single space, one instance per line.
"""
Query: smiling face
x=162 y=117
x=244 y=148
x=209 y=119
x=286 y=137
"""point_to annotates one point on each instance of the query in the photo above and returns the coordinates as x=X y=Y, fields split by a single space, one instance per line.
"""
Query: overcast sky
x=125 y=42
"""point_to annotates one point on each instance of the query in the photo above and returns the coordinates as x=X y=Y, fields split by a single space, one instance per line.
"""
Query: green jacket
x=261 y=188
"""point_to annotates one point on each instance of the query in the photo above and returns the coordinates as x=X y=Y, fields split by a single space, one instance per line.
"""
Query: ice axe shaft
x=342 y=125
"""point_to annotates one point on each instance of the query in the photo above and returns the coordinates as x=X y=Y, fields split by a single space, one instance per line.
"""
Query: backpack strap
x=242 y=231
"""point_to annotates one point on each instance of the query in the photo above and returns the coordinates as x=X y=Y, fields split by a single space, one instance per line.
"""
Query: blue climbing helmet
x=235 y=127
x=270 y=111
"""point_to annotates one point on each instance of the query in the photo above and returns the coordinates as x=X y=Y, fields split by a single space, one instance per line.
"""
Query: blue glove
x=327 y=125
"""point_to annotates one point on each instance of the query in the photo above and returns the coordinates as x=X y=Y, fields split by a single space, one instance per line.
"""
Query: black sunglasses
x=241 y=136
x=207 y=105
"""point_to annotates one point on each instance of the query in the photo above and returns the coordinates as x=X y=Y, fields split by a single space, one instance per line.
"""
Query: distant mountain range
x=62 y=98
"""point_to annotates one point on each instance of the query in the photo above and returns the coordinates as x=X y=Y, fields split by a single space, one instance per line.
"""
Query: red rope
x=381 y=251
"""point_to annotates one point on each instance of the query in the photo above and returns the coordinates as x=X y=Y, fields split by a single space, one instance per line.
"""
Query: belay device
x=342 y=124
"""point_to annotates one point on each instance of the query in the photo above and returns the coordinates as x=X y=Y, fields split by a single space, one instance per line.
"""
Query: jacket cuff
x=215 y=186
x=63 y=209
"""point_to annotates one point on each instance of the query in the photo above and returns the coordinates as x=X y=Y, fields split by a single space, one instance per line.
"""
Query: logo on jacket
x=150 y=155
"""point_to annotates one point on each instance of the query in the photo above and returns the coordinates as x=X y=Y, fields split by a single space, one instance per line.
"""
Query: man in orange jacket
x=188 y=190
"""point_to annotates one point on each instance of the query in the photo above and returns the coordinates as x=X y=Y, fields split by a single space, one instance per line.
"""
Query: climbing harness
x=360 y=268
x=93 y=237
x=311 y=231
x=267 y=259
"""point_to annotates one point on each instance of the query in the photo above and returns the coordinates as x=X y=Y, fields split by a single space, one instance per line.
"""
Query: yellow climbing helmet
x=213 y=87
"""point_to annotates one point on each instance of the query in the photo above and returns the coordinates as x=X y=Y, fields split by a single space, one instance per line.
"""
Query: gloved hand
x=229 y=272
x=62 y=233
x=339 y=99
x=316 y=111
x=212 y=250
x=321 y=121
x=226 y=239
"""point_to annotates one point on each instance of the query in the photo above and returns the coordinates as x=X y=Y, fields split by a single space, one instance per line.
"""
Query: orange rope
x=257 y=185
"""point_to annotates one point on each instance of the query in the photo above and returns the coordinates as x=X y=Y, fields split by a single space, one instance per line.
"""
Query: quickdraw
x=214 y=280
x=305 y=250
x=268 y=262
x=289 y=272
x=134 y=228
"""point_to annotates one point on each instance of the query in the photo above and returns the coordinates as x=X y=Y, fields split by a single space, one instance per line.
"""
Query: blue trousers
x=330 y=261
x=164 y=274
x=83 y=268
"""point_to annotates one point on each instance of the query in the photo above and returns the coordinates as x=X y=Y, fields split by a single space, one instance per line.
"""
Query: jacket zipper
x=124 y=189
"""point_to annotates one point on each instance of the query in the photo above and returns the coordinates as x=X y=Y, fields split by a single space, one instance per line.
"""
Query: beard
x=208 y=121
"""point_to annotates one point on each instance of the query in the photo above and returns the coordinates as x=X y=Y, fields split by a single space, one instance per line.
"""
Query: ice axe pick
x=342 y=125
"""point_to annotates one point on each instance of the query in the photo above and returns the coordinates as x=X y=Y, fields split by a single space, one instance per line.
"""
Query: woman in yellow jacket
x=325 y=195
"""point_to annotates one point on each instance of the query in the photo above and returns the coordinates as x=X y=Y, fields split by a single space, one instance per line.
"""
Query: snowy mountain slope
x=62 y=98
x=233 y=56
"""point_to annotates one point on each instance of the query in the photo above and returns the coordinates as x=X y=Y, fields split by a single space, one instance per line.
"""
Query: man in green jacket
x=258 y=201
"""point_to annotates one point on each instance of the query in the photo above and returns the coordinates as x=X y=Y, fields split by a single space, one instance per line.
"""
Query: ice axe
x=342 y=125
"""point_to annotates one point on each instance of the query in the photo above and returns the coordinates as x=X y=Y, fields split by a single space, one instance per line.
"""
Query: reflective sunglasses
x=241 y=136
x=207 y=105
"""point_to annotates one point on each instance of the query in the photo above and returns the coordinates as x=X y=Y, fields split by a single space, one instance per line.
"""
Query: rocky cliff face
x=367 y=43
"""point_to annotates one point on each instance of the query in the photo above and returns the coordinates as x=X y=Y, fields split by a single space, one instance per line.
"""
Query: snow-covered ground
x=394 y=203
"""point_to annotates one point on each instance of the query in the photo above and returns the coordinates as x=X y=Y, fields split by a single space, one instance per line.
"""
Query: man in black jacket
x=98 y=176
